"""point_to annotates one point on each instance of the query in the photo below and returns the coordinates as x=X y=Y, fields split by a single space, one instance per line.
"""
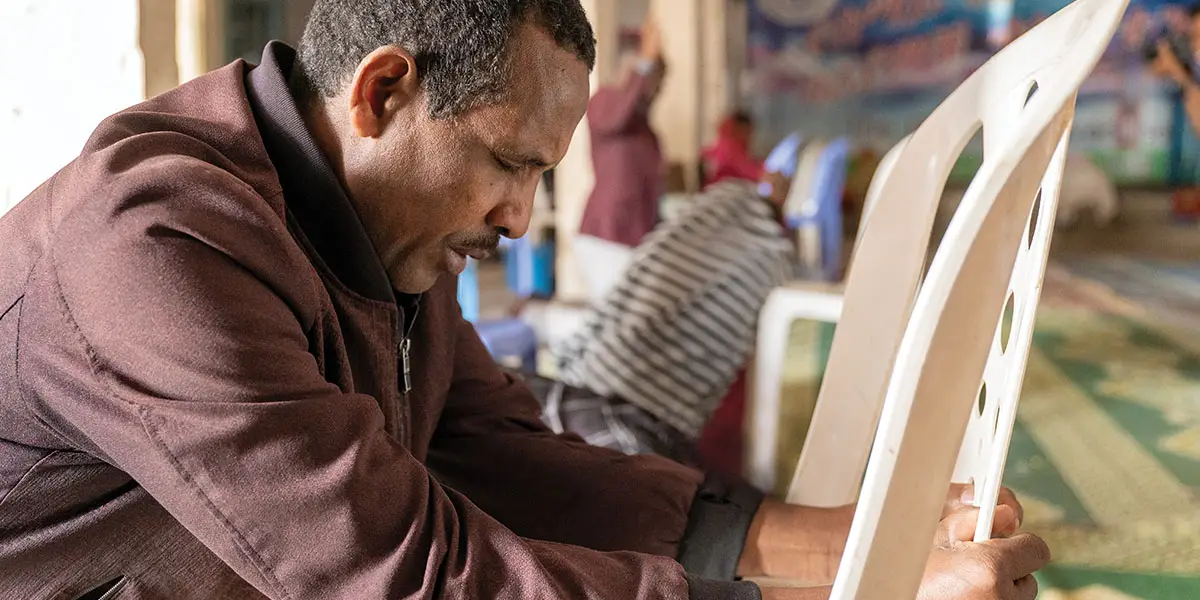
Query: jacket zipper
x=405 y=345
x=403 y=349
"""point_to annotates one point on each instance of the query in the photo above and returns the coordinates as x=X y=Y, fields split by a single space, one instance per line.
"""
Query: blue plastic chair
x=468 y=292
x=529 y=268
x=505 y=339
x=828 y=186
x=508 y=339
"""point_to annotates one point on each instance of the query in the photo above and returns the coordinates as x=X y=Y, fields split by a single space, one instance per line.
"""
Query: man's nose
x=511 y=217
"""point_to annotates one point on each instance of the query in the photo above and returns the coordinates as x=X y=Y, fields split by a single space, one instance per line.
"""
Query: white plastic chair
x=799 y=300
x=923 y=362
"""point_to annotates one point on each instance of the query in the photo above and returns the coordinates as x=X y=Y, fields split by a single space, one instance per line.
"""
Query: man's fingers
x=958 y=527
x=965 y=492
x=650 y=26
x=1008 y=515
x=963 y=495
x=1026 y=588
x=958 y=498
x=1005 y=521
x=1008 y=498
x=1019 y=555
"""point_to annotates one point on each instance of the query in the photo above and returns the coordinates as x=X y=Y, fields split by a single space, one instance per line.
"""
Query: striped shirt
x=673 y=333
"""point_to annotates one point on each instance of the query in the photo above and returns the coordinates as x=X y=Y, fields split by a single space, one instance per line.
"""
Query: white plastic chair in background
x=799 y=300
x=915 y=368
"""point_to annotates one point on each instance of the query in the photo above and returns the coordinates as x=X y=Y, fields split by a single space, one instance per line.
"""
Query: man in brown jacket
x=232 y=364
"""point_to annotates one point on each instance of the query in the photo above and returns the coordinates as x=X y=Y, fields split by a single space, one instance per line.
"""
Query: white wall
x=64 y=66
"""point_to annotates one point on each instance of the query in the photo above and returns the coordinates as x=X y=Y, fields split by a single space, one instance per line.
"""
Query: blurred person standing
x=1175 y=57
x=628 y=163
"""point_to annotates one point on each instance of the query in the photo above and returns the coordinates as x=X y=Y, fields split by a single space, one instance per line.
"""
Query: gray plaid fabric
x=607 y=422
x=672 y=334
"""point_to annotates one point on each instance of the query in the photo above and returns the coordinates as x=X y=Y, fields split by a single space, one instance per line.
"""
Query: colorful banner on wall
x=874 y=69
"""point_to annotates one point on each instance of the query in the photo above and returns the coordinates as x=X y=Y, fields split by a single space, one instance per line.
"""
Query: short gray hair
x=460 y=45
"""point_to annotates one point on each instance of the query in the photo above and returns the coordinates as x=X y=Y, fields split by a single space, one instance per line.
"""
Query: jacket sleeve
x=492 y=445
x=177 y=351
x=612 y=109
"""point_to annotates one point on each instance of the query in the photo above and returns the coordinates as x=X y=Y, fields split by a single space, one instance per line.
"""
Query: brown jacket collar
x=316 y=201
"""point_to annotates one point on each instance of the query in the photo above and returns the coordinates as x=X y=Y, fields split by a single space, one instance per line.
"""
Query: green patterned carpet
x=1106 y=452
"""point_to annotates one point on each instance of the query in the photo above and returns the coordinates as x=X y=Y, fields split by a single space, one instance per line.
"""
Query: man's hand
x=799 y=543
x=998 y=569
x=651 y=48
x=959 y=569
x=961 y=495
x=1167 y=63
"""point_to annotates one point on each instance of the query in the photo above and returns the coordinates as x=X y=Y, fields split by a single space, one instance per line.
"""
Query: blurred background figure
x=628 y=164
x=1173 y=54
x=729 y=156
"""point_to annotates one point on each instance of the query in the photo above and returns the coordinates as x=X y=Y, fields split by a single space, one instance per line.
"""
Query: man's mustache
x=476 y=243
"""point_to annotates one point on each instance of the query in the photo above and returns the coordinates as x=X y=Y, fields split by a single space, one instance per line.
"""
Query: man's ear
x=386 y=81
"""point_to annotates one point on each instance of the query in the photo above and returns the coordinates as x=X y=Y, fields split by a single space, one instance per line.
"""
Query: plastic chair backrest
x=828 y=190
x=508 y=340
x=802 y=211
x=875 y=189
x=891 y=252
x=814 y=204
x=939 y=344
x=518 y=263
x=801 y=205
x=761 y=446
x=949 y=347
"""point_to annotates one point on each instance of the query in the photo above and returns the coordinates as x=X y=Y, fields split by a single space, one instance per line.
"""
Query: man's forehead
x=517 y=132
x=541 y=70
x=546 y=97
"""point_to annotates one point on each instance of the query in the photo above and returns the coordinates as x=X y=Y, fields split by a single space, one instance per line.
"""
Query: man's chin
x=415 y=283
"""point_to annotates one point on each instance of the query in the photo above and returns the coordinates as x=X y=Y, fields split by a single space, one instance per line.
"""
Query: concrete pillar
x=736 y=48
x=698 y=90
x=719 y=84
x=213 y=29
x=677 y=114
x=573 y=177
x=156 y=36
x=193 y=19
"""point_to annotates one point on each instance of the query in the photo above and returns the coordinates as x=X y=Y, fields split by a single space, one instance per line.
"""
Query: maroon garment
x=628 y=164
x=729 y=157
x=200 y=393
x=723 y=437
